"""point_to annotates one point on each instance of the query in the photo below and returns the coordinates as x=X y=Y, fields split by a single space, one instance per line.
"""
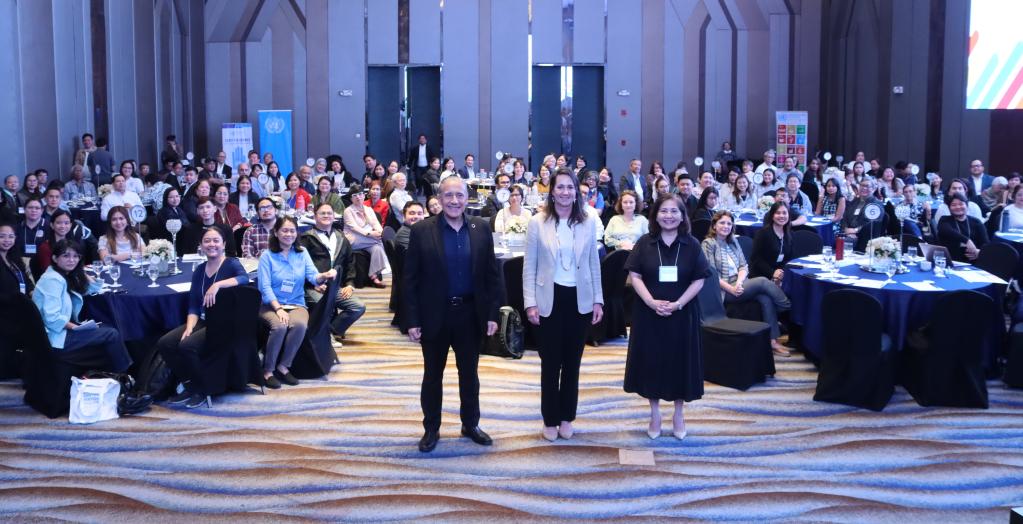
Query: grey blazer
x=540 y=260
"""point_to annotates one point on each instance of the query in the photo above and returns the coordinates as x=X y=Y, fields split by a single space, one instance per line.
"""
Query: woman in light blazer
x=561 y=287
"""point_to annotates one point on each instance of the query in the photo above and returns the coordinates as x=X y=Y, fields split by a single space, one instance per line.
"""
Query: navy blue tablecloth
x=747 y=224
x=141 y=311
x=90 y=217
x=1016 y=241
x=904 y=308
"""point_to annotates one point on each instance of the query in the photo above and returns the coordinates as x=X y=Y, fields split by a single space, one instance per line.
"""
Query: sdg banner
x=275 y=138
x=791 y=126
x=236 y=139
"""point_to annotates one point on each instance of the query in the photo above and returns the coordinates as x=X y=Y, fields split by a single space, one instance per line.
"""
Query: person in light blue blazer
x=58 y=295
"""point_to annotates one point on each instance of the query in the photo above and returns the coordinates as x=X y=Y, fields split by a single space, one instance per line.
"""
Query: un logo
x=274 y=125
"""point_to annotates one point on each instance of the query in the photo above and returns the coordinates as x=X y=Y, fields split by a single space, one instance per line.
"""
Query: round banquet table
x=904 y=309
x=140 y=311
x=747 y=224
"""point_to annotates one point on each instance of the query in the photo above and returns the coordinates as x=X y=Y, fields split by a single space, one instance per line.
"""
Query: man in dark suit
x=978 y=178
x=104 y=160
x=328 y=248
x=469 y=169
x=451 y=298
x=419 y=157
x=684 y=187
x=493 y=206
x=222 y=168
x=635 y=180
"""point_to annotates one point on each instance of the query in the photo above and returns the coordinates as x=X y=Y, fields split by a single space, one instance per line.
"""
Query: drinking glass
x=829 y=258
x=889 y=270
x=97 y=268
x=154 y=272
x=108 y=262
x=939 y=265
x=115 y=273
x=847 y=249
x=911 y=253
x=136 y=258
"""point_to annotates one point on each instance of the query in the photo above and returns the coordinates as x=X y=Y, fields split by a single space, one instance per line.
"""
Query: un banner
x=275 y=138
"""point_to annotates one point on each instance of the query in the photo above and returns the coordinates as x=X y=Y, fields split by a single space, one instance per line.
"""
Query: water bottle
x=1003 y=225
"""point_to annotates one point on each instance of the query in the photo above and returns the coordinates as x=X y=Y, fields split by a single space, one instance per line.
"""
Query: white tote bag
x=93 y=400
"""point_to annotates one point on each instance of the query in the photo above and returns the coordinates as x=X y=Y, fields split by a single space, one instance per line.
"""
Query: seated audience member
x=514 y=212
x=769 y=185
x=996 y=194
x=789 y=169
x=433 y=207
x=740 y=195
x=244 y=196
x=13 y=276
x=413 y=213
x=77 y=187
x=519 y=174
x=796 y=218
x=131 y=182
x=325 y=194
x=190 y=202
x=29 y=189
x=585 y=190
x=961 y=187
x=329 y=248
x=182 y=346
x=1012 y=216
x=725 y=255
x=594 y=198
x=705 y=182
x=376 y=202
x=118 y=196
x=399 y=196
x=919 y=212
x=853 y=221
x=625 y=228
x=52 y=200
x=684 y=188
x=772 y=244
x=283 y=267
x=798 y=200
x=364 y=232
x=120 y=239
x=225 y=212
x=171 y=210
x=256 y=238
x=707 y=204
x=9 y=199
x=190 y=238
x=62 y=227
x=543 y=181
x=889 y=186
x=492 y=206
x=296 y=197
x=58 y=295
x=962 y=234
x=32 y=229
x=831 y=203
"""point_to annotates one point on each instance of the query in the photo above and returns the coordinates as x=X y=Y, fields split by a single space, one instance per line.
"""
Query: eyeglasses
x=266 y=208
x=69 y=255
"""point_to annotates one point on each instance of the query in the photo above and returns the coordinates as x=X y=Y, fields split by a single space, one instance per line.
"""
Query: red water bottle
x=839 y=247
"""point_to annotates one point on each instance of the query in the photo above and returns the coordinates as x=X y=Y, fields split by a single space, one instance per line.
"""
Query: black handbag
x=509 y=340
x=130 y=401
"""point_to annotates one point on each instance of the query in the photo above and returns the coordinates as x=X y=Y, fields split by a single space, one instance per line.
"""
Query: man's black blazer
x=424 y=295
x=413 y=155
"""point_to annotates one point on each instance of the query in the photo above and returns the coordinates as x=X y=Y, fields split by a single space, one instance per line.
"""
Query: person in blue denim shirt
x=282 y=270
x=58 y=295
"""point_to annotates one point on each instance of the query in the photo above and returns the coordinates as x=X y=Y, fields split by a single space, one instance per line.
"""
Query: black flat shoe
x=477 y=435
x=195 y=400
x=272 y=382
x=429 y=441
x=179 y=398
x=286 y=378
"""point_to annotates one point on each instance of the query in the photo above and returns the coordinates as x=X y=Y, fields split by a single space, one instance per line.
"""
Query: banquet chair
x=805 y=243
x=736 y=353
x=512 y=273
x=810 y=188
x=909 y=241
x=869 y=232
x=994 y=220
x=316 y=355
x=700 y=228
x=230 y=359
x=388 y=233
x=45 y=376
x=998 y=258
x=943 y=363
x=612 y=278
x=746 y=244
x=858 y=367
x=360 y=258
x=396 y=257
x=1013 y=376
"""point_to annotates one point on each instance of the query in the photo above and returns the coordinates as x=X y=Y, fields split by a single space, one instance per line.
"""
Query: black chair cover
x=361 y=260
x=810 y=188
x=736 y=353
x=910 y=241
x=396 y=257
x=746 y=244
x=316 y=355
x=230 y=360
x=943 y=363
x=857 y=367
x=806 y=243
x=700 y=228
x=998 y=258
x=612 y=278
x=512 y=272
x=1014 y=366
x=869 y=231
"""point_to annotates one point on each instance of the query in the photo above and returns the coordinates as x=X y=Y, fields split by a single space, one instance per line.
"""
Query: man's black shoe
x=429 y=441
x=477 y=435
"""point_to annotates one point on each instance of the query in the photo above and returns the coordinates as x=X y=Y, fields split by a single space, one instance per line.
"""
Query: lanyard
x=678 y=250
x=202 y=286
x=960 y=228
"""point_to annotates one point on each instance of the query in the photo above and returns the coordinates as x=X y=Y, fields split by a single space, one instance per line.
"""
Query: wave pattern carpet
x=344 y=448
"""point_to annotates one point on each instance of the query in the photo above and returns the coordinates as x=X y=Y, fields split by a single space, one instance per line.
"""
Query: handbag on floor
x=93 y=400
x=131 y=400
x=508 y=341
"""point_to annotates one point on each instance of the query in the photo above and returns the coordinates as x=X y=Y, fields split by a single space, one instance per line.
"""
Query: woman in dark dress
x=667 y=268
x=772 y=245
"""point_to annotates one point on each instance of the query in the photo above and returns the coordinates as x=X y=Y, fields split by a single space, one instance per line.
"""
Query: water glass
x=154 y=272
x=890 y=268
x=108 y=262
x=829 y=258
x=911 y=253
x=97 y=268
x=939 y=265
x=847 y=249
x=115 y=273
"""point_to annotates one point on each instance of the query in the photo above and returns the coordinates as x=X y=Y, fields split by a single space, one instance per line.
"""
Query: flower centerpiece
x=104 y=190
x=923 y=190
x=764 y=204
x=515 y=231
x=162 y=250
x=882 y=250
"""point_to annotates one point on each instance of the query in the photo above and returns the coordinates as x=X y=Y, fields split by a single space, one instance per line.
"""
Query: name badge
x=856 y=211
x=30 y=249
x=21 y=287
x=667 y=273
x=39 y=233
x=287 y=286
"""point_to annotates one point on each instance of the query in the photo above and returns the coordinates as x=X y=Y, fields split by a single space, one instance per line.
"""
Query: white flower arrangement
x=764 y=203
x=923 y=190
x=883 y=248
x=516 y=226
x=160 y=248
x=104 y=190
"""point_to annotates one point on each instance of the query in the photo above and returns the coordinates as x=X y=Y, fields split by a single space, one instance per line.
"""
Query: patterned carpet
x=343 y=448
